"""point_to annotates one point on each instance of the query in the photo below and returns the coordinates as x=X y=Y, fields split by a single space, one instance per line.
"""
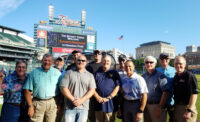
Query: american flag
x=121 y=37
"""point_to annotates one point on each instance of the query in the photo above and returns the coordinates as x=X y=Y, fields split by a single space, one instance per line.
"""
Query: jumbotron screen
x=66 y=40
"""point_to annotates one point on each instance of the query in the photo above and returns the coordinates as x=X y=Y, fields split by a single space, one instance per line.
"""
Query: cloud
x=7 y=6
x=166 y=32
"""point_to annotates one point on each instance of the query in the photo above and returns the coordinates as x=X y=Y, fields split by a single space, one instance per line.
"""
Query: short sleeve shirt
x=156 y=84
x=184 y=86
x=106 y=83
x=12 y=88
x=78 y=84
x=133 y=87
x=169 y=72
x=93 y=67
x=44 y=85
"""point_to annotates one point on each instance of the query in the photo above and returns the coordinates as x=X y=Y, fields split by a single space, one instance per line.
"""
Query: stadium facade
x=13 y=47
x=62 y=35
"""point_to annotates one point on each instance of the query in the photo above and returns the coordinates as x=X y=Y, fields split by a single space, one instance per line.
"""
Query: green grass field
x=197 y=103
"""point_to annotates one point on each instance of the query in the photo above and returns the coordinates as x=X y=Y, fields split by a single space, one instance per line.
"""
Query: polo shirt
x=44 y=85
x=169 y=72
x=106 y=83
x=78 y=83
x=156 y=84
x=12 y=88
x=184 y=86
x=133 y=87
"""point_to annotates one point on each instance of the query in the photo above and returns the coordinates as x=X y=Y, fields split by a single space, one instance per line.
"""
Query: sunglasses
x=97 y=53
x=164 y=58
x=149 y=62
x=79 y=60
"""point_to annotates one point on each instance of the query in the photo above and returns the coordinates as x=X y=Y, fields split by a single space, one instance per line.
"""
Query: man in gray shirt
x=77 y=86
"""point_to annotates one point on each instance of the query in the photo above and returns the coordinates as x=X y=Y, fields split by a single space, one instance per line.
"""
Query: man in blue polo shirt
x=44 y=84
x=158 y=92
x=169 y=72
x=108 y=82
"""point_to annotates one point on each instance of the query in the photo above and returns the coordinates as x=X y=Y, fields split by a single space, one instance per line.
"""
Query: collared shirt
x=106 y=83
x=78 y=83
x=133 y=87
x=12 y=88
x=122 y=73
x=44 y=84
x=63 y=72
x=184 y=86
x=169 y=72
x=156 y=84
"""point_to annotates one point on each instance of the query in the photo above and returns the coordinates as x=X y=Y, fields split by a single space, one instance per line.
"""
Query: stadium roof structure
x=154 y=43
x=11 y=29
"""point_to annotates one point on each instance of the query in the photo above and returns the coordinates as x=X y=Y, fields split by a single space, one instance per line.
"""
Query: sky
x=139 y=21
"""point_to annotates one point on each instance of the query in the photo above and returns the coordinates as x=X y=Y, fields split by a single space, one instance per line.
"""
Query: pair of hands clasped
x=102 y=100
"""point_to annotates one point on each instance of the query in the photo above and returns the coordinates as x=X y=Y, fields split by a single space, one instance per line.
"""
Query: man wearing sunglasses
x=93 y=67
x=158 y=92
x=77 y=86
x=76 y=54
x=169 y=72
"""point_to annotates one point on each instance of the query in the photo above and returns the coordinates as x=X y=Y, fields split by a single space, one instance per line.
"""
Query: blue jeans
x=10 y=113
x=76 y=115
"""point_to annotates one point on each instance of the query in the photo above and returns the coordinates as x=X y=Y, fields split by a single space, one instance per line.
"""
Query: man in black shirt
x=185 y=92
x=76 y=54
x=92 y=68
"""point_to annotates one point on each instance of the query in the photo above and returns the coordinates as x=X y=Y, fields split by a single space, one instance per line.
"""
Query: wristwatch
x=30 y=105
x=109 y=97
x=140 y=111
x=189 y=110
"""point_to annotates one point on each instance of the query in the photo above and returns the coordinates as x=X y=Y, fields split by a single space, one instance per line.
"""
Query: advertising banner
x=56 y=51
x=64 y=50
x=41 y=34
x=90 y=46
x=40 y=42
x=66 y=40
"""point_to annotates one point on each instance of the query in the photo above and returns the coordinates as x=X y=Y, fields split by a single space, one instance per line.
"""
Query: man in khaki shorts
x=185 y=92
x=43 y=82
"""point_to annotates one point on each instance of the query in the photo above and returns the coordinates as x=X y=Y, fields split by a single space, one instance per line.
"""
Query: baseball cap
x=75 y=51
x=164 y=56
x=122 y=57
x=97 y=52
x=60 y=58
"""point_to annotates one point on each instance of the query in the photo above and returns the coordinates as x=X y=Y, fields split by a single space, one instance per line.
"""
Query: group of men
x=96 y=91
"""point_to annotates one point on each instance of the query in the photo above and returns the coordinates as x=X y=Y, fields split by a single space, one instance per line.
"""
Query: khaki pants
x=179 y=111
x=105 y=117
x=149 y=115
x=44 y=110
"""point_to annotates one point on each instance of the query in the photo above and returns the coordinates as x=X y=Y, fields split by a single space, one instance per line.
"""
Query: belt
x=153 y=102
x=132 y=101
x=14 y=104
x=35 y=98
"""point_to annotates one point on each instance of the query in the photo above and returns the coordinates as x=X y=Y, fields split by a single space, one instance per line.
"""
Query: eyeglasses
x=149 y=62
x=79 y=60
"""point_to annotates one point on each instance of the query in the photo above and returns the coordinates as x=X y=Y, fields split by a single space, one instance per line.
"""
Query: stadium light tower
x=83 y=18
x=51 y=13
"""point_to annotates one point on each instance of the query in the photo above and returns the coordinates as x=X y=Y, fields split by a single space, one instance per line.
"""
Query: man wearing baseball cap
x=75 y=54
x=169 y=72
x=93 y=67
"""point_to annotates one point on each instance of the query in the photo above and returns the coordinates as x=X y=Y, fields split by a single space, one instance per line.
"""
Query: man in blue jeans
x=77 y=86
